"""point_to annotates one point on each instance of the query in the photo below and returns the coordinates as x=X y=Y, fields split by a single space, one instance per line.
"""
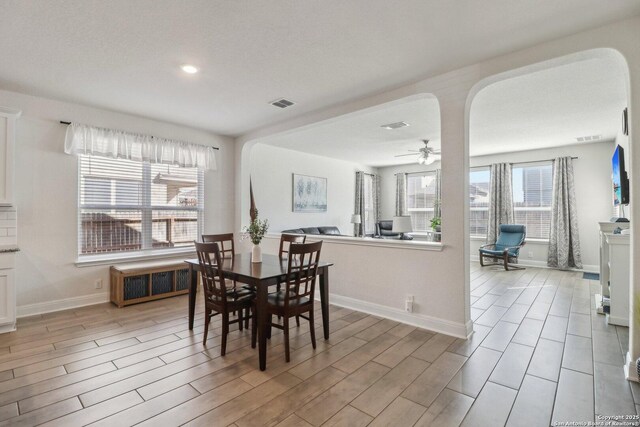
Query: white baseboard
x=588 y=268
x=447 y=327
x=61 y=304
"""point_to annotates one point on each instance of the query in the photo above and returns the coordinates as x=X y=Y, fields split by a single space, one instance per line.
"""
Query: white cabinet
x=8 y=220
x=8 y=117
x=607 y=228
x=618 y=280
x=7 y=293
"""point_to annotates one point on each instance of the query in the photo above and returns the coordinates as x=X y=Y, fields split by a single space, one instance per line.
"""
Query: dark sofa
x=383 y=231
x=325 y=230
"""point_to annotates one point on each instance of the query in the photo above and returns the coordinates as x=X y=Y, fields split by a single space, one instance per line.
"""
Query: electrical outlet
x=98 y=284
x=529 y=254
x=408 y=304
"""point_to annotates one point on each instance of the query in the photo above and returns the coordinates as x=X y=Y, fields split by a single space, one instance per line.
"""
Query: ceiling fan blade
x=402 y=155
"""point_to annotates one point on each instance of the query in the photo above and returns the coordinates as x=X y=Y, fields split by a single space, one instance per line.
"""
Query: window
x=421 y=198
x=532 y=193
x=369 y=221
x=132 y=206
x=479 y=180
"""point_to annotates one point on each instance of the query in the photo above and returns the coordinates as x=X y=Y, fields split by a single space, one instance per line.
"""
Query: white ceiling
x=125 y=55
x=536 y=110
x=360 y=138
x=549 y=108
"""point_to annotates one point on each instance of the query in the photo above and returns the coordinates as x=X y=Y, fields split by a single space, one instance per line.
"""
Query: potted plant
x=435 y=223
x=256 y=231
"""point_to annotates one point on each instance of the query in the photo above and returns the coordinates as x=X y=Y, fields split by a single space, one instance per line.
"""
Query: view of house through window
x=532 y=192
x=132 y=206
x=421 y=198
x=479 y=201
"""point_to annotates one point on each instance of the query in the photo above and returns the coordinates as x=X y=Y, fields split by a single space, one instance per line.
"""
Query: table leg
x=193 y=284
x=324 y=300
x=261 y=302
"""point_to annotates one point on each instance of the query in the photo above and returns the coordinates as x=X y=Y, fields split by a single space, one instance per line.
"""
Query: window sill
x=371 y=241
x=106 y=259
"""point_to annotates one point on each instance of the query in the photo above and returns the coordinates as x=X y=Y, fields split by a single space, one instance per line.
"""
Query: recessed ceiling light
x=189 y=69
x=396 y=125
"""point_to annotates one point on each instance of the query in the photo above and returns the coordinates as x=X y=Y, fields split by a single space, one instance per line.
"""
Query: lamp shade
x=401 y=224
x=356 y=219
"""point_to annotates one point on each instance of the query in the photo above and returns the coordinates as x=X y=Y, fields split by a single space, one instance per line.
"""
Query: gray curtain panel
x=401 y=194
x=376 y=198
x=359 y=203
x=437 y=206
x=564 y=242
x=500 y=199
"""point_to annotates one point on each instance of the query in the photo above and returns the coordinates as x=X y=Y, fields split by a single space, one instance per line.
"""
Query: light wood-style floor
x=539 y=354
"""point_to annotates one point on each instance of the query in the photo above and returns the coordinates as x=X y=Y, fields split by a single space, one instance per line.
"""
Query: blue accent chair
x=507 y=246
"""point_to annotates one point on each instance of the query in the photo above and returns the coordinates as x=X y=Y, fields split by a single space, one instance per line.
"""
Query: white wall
x=271 y=174
x=46 y=188
x=445 y=274
x=594 y=195
x=388 y=184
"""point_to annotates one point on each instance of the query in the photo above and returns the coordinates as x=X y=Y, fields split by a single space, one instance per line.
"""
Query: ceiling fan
x=426 y=154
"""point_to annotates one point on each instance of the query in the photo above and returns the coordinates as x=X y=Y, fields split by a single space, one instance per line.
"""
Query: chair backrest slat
x=212 y=278
x=286 y=240
x=302 y=271
x=225 y=242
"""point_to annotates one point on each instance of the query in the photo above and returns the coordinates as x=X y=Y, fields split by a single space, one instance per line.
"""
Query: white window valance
x=83 y=139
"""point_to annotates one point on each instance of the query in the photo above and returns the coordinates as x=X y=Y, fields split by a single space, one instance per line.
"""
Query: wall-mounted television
x=619 y=178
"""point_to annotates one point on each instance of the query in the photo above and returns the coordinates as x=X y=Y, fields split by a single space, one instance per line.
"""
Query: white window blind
x=421 y=195
x=128 y=205
x=532 y=193
x=479 y=180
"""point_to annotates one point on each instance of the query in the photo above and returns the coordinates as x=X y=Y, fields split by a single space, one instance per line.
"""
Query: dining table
x=259 y=275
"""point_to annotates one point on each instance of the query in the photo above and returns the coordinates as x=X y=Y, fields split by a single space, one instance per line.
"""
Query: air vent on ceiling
x=396 y=125
x=588 y=138
x=282 y=103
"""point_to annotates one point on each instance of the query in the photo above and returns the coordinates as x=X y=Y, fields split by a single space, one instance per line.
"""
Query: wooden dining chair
x=227 y=251
x=224 y=241
x=286 y=240
x=296 y=298
x=219 y=299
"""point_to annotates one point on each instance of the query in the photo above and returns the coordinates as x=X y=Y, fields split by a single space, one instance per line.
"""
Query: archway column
x=455 y=193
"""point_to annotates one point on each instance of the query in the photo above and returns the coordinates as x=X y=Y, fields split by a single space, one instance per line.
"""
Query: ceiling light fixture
x=189 y=69
x=425 y=159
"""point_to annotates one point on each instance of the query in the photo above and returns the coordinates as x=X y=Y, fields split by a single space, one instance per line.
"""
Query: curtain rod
x=68 y=123
x=486 y=166
x=520 y=163
x=411 y=173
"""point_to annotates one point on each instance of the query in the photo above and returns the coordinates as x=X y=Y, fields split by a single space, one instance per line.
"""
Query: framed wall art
x=309 y=193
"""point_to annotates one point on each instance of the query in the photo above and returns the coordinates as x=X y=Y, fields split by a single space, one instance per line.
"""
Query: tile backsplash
x=8 y=226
